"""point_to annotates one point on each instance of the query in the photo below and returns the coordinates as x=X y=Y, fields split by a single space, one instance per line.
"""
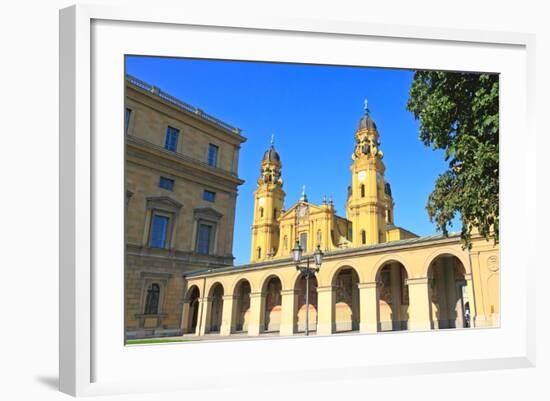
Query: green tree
x=458 y=112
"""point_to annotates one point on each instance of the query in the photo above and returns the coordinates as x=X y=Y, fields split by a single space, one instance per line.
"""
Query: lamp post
x=307 y=271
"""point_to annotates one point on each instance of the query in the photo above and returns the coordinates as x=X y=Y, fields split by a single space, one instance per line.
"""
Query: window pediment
x=163 y=203
x=207 y=213
x=155 y=275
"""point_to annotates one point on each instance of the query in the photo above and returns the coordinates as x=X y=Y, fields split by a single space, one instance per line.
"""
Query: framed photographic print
x=268 y=190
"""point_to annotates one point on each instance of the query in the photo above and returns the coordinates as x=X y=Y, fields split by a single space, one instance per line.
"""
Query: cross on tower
x=304 y=196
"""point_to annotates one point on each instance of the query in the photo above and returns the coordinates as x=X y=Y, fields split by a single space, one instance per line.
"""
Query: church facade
x=375 y=275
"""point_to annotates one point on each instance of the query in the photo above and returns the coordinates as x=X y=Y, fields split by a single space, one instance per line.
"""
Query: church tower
x=268 y=203
x=368 y=205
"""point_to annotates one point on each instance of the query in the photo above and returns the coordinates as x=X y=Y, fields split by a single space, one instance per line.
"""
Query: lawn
x=155 y=341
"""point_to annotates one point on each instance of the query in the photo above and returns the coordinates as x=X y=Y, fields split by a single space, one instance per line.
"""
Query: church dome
x=366 y=122
x=271 y=155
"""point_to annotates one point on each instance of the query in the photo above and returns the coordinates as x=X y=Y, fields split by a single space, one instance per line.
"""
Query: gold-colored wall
x=366 y=310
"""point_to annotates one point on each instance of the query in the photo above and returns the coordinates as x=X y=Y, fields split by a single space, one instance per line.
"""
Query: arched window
x=259 y=252
x=261 y=212
x=362 y=190
x=152 y=299
x=274 y=213
x=363 y=237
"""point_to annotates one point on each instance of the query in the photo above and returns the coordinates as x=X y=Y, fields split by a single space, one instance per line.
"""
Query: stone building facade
x=181 y=187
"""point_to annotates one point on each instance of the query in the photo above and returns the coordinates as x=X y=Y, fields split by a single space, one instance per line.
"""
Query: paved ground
x=217 y=337
x=213 y=337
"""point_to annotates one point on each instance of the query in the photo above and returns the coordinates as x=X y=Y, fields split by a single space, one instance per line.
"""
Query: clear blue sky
x=313 y=112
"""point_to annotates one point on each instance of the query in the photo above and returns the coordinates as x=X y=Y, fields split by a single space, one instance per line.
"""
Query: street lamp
x=307 y=271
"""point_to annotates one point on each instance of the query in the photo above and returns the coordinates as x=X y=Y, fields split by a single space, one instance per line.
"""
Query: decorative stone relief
x=492 y=263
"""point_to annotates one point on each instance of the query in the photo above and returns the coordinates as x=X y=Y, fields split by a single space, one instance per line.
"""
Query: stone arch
x=392 y=293
x=295 y=280
x=215 y=307
x=241 y=308
x=265 y=278
x=272 y=286
x=336 y=270
x=346 y=298
x=444 y=252
x=380 y=263
x=192 y=296
x=188 y=293
x=237 y=281
x=211 y=286
x=299 y=285
x=446 y=290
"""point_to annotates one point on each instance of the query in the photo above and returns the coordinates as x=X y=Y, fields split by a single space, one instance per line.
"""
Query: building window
x=261 y=212
x=209 y=196
x=204 y=238
x=363 y=237
x=259 y=253
x=303 y=241
x=285 y=242
x=159 y=231
x=166 y=183
x=171 y=142
x=152 y=299
x=127 y=115
x=213 y=155
x=362 y=190
x=274 y=213
x=319 y=237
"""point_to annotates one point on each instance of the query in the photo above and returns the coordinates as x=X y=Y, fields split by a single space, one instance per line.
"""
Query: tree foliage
x=458 y=112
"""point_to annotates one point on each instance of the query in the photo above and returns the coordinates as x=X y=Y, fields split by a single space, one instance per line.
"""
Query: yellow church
x=374 y=275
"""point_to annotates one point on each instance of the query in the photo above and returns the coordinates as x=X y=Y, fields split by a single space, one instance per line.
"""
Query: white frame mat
x=93 y=358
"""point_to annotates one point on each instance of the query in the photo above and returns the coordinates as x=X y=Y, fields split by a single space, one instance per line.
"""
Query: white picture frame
x=90 y=353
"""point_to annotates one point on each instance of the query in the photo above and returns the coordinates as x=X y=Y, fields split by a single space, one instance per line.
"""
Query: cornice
x=335 y=254
x=156 y=155
x=195 y=119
